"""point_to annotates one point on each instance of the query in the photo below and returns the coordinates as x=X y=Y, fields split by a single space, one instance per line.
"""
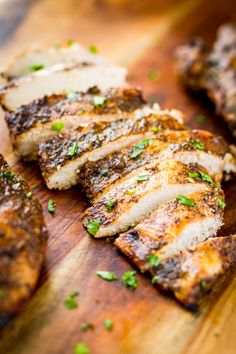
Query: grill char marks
x=22 y=240
x=101 y=139
x=213 y=72
x=162 y=182
x=97 y=176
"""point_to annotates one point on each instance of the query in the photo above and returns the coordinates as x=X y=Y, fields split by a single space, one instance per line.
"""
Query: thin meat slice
x=36 y=58
x=213 y=72
x=61 y=157
x=22 y=240
x=133 y=200
x=174 y=227
x=59 y=79
x=41 y=119
x=196 y=146
x=193 y=273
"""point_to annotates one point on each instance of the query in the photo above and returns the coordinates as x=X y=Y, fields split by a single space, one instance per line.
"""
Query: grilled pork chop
x=144 y=191
x=215 y=73
x=37 y=58
x=196 y=146
x=22 y=240
x=59 y=79
x=61 y=157
x=36 y=122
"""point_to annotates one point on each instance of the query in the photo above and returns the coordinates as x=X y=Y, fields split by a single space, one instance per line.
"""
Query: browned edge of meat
x=213 y=71
x=23 y=238
x=51 y=108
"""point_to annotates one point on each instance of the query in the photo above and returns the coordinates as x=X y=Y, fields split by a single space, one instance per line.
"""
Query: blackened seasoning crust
x=22 y=240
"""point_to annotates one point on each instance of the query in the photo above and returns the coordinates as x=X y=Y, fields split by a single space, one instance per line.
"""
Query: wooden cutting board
x=141 y=35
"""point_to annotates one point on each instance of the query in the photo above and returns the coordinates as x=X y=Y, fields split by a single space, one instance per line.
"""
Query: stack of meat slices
x=146 y=176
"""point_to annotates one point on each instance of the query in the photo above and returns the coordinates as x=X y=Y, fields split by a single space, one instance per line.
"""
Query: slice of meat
x=175 y=245
x=213 y=72
x=193 y=273
x=213 y=153
x=22 y=240
x=61 y=157
x=34 y=58
x=133 y=200
x=40 y=120
x=59 y=79
x=174 y=227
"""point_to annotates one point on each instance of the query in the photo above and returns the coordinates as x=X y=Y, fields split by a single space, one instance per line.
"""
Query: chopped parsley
x=70 y=302
x=51 y=206
x=155 y=279
x=36 y=67
x=193 y=174
x=153 y=75
x=198 y=145
x=57 y=126
x=98 y=101
x=74 y=149
x=155 y=129
x=105 y=275
x=28 y=194
x=70 y=42
x=81 y=348
x=206 y=178
x=202 y=176
x=182 y=199
x=142 y=178
x=108 y=324
x=153 y=260
x=203 y=284
x=129 y=280
x=2 y=294
x=71 y=95
x=110 y=205
x=104 y=173
x=131 y=192
x=200 y=118
x=93 y=226
x=86 y=326
x=9 y=175
x=93 y=49
x=139 y=147
x=34 y=186
x=221 y=203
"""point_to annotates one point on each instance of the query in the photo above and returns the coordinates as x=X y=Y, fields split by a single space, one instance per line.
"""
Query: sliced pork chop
x=193 y=273
x=22 y=240
x=131 y=201
x=59 y=79
x=36 y=122
x=196 y=146
x=174 y=227
x=36 y=58
x=61 y=157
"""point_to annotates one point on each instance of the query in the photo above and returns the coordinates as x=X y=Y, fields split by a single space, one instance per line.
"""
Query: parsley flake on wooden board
x=108 y=324
x=105 y=275
x=70 y=302
x=81 y=348
x=129 y=279
x=51 y=206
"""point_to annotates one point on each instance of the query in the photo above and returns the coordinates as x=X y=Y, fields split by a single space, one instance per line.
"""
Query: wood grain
x=143 y=35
